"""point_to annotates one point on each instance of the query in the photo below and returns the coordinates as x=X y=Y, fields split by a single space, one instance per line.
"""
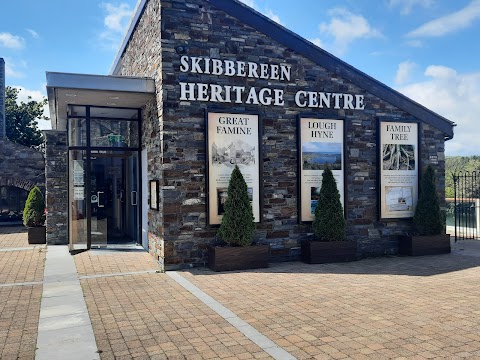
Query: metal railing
x=466 y=205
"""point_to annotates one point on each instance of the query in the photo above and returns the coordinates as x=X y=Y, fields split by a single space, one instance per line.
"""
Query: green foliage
x=329 y=223
x=428 y=218
x=34 y=212
x=455 y=164
x=238 y=225
x=21 y=119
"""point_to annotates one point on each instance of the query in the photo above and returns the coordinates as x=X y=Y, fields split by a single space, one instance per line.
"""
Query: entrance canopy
x=65 y=89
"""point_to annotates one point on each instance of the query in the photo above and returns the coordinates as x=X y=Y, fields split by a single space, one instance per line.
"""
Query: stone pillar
x=56 y=197
x=3 y=133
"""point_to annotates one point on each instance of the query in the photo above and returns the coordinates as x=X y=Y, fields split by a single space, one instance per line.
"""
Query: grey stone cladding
x=56 y=196
x=174 y=135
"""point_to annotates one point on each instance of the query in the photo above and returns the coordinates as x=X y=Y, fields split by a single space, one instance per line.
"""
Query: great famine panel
x=233 y=139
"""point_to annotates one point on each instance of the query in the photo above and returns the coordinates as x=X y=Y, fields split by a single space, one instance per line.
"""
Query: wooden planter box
x=424 y=245
x=321 y=252
x=37 y=235
x=238 y=258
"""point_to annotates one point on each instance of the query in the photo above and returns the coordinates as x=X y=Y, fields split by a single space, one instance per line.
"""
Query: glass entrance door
x=113 y=197
x=104 y=198
x=104 y=176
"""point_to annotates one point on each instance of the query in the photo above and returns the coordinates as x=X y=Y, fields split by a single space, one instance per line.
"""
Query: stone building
x=21 y=168
x=196 y=76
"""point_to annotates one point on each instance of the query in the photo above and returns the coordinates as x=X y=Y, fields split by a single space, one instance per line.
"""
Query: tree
x=428 y=218
x=21 y=119
x=34 y=212
x=329 y=221
x=238 y=225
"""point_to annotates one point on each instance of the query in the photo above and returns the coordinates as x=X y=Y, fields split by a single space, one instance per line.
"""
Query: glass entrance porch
x=104 y=184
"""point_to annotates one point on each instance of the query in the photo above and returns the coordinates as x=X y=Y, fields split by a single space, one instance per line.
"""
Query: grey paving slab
x=70 y=343
x=54 y=301
x=62 y=321
x=118 y=274
x=62 y=309
x=21 y=249
x=22 y=284
x=64 y=330
x=466 y=247
x=62 y=289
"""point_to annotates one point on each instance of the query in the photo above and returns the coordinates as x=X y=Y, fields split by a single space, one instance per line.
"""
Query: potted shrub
x=236 y=231
x=34 y=217
x=328 y=227
x=428 y=221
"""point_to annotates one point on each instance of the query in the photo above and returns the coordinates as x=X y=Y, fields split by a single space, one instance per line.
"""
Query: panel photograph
x=317 y=155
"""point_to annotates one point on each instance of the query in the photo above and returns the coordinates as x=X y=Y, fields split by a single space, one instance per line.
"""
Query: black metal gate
x=463 y=211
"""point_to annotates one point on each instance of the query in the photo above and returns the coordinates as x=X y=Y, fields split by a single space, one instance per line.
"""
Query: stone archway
x=17 y=182
x=21 y=168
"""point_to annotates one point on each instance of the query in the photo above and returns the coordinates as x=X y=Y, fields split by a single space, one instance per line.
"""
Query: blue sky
x=426 y=49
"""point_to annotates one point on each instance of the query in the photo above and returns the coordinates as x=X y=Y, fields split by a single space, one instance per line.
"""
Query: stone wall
x=56 y=171
x=196 y=28
x=143 y=57
x=21 y=166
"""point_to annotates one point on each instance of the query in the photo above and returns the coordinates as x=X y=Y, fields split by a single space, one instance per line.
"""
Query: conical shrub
x=238 y=224
x=34 y=211
x=428 y=218
x=329 y=222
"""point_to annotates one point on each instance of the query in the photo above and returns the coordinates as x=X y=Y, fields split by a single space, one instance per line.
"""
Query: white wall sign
x=321 y=144
x=78 y=172
x=399 y=169
x=233 y=139
x=78 y=193
x=192 y=91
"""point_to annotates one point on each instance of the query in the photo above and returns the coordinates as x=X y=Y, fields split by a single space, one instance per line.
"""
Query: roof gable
x=322 y=58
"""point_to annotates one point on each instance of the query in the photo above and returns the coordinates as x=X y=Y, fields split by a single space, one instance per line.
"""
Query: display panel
x=321 y=144
x=233 y=139
x=398 y=169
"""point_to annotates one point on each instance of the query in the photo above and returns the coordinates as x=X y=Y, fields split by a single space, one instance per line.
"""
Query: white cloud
x=317 y=41
x=404 y=72
x=11 y=70
x=407 y=5
x=33 y=33
x=449 y=23
x=250 y=3
x=116 y=22
x=11 y=41
x=267 y=12
x=36 y=95
x=117 y=16
x=456 y=97
x=346 y=27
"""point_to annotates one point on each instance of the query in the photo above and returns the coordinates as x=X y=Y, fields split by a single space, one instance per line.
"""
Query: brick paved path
x=396 y=307
x=418 y=308
x=20 y=266
x=150 y=316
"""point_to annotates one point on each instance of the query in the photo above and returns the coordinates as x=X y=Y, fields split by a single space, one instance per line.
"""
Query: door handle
x=100 y=205
x=134 y=198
